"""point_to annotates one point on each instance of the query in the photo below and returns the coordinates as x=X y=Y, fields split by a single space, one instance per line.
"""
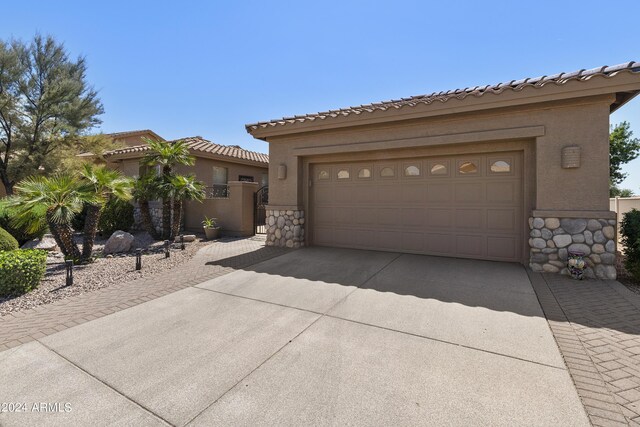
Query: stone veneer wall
x=551 y=239
x=156 y=216
x=285 y=228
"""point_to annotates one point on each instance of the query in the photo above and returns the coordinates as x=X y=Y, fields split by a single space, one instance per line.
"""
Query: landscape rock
x=120 y=241
x=47 y=243
x=187 y=238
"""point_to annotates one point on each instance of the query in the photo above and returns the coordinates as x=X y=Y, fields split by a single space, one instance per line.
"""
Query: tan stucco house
x=516 y=171
x=231 y=174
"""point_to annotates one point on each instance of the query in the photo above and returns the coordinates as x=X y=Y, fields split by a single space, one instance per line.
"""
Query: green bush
x=630 y=231
x=21 y=271
x=116 y=215
x=7 y=241
x=21 y=234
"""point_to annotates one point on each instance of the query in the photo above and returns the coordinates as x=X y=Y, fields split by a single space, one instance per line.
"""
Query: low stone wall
x=285 y=228
x=551 y=240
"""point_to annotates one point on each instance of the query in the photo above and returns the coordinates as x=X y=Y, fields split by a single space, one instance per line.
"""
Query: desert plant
x=630 y=231
x=183 y=188
x=167 y=155
x=7 y=241
x=58 y=198
x=105 y=184
x=145 y=189
x=209 y=222
x=35 y=227
x=116 y=215
x=21 y=271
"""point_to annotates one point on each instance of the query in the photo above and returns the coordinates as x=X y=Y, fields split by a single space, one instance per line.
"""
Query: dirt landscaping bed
x=103 y=272
x=624 y=277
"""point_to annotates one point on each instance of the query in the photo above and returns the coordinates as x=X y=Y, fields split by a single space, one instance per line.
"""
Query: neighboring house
x=134 y=137
x=231 y=174
x=515 y=172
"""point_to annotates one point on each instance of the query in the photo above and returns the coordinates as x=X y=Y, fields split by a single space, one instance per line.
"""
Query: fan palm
x=146 y=188
x=105 y=184
x=58 y=199
x=167 y=155
x=183 y=188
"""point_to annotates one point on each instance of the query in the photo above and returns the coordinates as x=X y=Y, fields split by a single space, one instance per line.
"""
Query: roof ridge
x=444 y=96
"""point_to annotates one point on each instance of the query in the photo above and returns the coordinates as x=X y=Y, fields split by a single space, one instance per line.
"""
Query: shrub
x=21 y=234
x=21 y=271
x=78 y=220
x=630 y=231
x=116 y=215
x=7 y=241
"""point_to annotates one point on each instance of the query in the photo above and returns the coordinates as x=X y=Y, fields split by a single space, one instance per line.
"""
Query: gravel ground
x=624 y=277
x=103 y=272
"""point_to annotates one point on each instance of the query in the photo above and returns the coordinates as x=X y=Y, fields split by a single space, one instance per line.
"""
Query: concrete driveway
x=316 y=336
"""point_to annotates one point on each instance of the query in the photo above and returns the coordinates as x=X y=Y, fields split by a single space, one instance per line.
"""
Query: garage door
x=462 y=206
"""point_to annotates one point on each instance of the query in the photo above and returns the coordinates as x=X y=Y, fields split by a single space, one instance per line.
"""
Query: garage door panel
x=503 y=192
x=388 y=217
x=475 y=214
x=469 y=192
x=412 y=217
x=469 y=219
x=439 y=218
x=501 y=247
x=502 y=219
x=470 y=245
x=439 y=192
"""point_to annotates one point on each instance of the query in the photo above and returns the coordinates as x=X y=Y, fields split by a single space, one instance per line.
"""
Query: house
x=134 y=137
x=231 y=175
x=516 y=172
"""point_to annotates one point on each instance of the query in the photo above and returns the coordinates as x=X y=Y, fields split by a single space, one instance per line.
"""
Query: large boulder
x=47 y=243
x=120 y=241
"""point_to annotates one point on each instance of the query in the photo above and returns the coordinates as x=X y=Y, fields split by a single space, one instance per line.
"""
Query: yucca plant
x=57 y=199
x=167 y=155
x=104 y=184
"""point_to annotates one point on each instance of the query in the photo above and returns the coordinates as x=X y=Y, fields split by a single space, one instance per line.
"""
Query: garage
x=462 y=206
x=513 y=171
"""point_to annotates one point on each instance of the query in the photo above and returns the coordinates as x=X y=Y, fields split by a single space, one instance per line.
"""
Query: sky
x=209 y=67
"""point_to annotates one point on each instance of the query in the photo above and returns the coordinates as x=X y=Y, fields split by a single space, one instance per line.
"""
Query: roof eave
x=198 y=154
x=627 y=83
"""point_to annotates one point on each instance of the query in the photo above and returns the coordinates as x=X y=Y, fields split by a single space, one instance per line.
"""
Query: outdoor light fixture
x=69 y=267
x=182 y=242
x=138 y=259
x=282 y=171
x=166 y=249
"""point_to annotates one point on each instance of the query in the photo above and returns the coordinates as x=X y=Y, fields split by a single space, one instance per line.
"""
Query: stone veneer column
x=285 y=228
x=551 y=240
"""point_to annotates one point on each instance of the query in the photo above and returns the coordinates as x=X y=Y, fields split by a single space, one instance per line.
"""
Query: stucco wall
x=584 y=123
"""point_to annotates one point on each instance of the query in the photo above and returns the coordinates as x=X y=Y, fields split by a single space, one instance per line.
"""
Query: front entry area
x=468 y=206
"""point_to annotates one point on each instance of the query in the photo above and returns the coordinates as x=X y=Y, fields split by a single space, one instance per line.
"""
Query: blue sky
x=208 y=68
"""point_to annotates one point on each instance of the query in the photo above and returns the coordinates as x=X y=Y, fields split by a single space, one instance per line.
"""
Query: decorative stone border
x=285 y=228
x=551 y=240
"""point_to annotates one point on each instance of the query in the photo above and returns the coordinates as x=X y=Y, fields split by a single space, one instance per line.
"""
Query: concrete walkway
x=316 y=336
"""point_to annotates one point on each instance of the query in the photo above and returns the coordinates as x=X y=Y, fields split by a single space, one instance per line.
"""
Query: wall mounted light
x=282 y=171
x=571 y=157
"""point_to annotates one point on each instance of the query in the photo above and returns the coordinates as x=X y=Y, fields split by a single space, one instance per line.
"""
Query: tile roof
x=199 y=144
x=116 y=135
x=477 y=91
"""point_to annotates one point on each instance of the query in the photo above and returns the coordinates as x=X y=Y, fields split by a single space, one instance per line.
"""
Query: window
x=343 y=174
x=323 y=175
x=500 y=166
x=364 y=173
x=220 y=180
x=264 y=180
x=411 y=171
x=438 y=169
x=387 y=172
x=467 y=168
x=245 y=178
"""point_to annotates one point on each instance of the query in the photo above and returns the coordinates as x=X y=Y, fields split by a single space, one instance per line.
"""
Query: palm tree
x=167 y=155
x=145 y=189
x=58 y=199
x=183 y=188
x=105 y=184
